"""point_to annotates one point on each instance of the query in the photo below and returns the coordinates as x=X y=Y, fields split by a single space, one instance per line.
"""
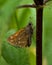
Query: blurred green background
x=11 y=20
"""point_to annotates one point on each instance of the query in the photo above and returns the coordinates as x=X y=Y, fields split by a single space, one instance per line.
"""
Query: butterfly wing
x=22 y=38
x=19 y=39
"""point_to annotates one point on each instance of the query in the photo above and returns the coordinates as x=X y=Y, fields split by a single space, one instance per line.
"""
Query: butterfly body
x=22 y=38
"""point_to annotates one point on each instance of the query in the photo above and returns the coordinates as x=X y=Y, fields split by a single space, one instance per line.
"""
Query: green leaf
x=23 y=16
x=5 y=12
x=16 y=56
x=3 y=62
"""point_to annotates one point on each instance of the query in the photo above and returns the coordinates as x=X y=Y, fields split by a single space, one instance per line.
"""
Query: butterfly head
x=29 y=28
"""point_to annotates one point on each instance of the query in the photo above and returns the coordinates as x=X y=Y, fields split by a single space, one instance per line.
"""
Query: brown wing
x=22 y=38
x=19 y=39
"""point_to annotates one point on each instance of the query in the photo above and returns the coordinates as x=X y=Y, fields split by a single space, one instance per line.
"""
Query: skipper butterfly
x=22 y=38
